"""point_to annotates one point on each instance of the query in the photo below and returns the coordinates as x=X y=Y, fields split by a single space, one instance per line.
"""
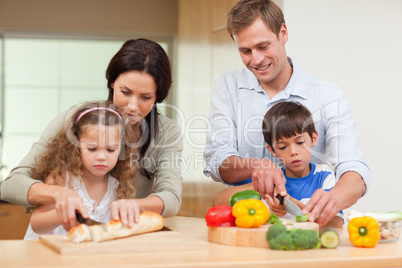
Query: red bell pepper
x=220 y=216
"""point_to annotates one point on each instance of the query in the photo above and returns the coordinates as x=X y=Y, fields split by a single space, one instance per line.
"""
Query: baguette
x=80 y=233
x=149 y=222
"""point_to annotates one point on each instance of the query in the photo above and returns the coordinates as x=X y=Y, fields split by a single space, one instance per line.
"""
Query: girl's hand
x=127 y=210
x=67 y=203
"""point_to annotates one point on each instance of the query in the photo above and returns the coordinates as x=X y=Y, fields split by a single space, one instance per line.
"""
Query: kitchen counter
x=194 y=250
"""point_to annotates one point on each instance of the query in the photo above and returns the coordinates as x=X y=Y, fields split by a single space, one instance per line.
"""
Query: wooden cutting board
x=251 y=237
x=163 y=240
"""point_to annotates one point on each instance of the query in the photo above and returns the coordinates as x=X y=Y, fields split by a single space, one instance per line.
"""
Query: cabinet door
x=13 y=221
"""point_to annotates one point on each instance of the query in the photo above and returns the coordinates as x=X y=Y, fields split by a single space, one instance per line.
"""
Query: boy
x=289 y=133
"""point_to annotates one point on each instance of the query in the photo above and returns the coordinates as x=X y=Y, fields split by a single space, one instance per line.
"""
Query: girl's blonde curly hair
x=63 y=152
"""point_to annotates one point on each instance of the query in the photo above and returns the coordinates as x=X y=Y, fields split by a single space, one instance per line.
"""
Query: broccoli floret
x=274 y=219
x=281 y=239
x=300 y=238
x=285 y=241
x=314 y=238
x=275 y=230
x=274 y=245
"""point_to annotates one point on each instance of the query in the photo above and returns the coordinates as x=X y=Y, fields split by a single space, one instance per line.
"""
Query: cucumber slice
x=329 y=237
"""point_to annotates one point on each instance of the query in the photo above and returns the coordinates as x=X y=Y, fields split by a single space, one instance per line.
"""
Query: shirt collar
x=296 y=85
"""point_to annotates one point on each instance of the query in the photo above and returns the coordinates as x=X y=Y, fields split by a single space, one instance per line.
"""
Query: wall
x=357 y=45
x=205 y=50
x=90 y=16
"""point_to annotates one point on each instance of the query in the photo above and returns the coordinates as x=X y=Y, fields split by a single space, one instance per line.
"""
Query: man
x=235 y=146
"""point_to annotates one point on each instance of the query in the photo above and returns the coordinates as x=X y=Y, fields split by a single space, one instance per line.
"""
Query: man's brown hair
x=245 y=12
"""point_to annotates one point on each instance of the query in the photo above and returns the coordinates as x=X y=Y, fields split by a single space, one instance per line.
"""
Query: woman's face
x=135 y=93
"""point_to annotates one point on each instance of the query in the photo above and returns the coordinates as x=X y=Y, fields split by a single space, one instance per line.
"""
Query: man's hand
x=266 y=180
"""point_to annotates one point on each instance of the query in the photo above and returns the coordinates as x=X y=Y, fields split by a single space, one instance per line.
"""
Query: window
x=41 y=78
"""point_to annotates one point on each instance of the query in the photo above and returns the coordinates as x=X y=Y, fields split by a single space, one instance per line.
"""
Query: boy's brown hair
x=286 y=120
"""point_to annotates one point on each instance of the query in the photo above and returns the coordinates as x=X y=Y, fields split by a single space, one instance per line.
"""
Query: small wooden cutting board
x=251 y=237
x=163 y=240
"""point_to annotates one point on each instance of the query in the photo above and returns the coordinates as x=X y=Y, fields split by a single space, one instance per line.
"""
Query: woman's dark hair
x=285 y=120
x=148 y=57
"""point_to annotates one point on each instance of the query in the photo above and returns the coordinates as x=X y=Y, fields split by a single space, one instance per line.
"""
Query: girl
x=138 y=77
x=89 y=157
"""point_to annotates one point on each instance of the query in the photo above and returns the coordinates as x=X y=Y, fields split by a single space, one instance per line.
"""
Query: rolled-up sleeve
x=222 y=134
x=167 y=152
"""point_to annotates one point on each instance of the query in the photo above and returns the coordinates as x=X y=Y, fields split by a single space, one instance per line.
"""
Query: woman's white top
x=98 y=212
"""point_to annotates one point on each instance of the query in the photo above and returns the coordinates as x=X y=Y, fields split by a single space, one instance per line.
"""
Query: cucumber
x=329 y=237
x=302 y=218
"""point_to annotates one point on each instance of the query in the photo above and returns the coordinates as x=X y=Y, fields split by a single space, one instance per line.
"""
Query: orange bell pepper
x=364 y=232
x=250 y=213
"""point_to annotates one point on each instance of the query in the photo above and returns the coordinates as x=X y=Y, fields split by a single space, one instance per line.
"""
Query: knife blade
x=88 y=221
x=289 y=206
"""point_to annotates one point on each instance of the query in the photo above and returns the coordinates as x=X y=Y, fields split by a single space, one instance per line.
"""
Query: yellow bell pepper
x=364 y=232
x=250 y=213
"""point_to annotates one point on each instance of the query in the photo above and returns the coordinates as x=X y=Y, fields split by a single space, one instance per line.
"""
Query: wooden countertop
x=196 y=251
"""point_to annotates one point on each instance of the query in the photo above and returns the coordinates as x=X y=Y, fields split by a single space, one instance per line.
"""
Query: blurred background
x=54 y=54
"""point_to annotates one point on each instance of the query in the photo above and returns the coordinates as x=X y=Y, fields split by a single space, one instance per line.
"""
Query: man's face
x=262 y=52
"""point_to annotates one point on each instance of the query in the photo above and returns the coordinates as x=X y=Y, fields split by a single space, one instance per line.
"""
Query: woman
x=139 y=77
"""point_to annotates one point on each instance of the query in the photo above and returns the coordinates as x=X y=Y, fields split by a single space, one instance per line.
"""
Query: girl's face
x=99 y=148
x=295 y=153
x=135 y=93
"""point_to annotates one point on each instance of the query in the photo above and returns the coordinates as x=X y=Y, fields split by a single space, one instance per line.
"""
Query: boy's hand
x=323 y=206
x=274 y=206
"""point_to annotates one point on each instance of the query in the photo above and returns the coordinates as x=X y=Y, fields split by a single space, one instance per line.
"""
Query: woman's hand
x=67 y=203
x=127 y=210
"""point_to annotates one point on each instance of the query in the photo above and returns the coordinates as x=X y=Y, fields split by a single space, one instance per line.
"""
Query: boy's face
x=295 y=153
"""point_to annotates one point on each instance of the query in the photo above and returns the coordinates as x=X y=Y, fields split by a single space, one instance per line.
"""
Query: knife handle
x=281 y=199
x=79 y=217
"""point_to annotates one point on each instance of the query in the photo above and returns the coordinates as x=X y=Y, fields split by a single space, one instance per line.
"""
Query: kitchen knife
x=289 y=206
x=88 y=221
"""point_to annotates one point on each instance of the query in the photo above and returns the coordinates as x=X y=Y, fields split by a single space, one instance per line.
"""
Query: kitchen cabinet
x=13 y=221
